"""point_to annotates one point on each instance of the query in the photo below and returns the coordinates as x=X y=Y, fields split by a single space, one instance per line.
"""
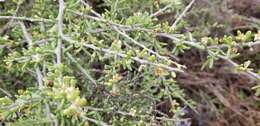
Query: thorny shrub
x=62 y=63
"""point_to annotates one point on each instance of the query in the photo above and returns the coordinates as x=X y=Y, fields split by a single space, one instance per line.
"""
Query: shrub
x=65 y=64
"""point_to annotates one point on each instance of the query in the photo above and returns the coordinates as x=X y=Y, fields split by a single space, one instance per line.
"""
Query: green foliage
x=113 y=68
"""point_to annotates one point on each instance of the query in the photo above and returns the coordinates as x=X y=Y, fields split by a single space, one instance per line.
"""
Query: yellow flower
x=174 y=105
x=158 y=71
x=70 y=111
x=204 y=40
x=81 y=102
x=115 y=90
x=117 y=77
x=133 y=111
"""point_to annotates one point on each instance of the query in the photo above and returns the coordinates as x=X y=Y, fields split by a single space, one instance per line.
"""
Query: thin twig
x=10 y=23
x=160 y=11
x=248 y=44
x=250 y=74
x=116 y=27
x=8 y=94
x=47 y=107
x=84 y=71
x=130 y=28
x=39 y=77
x=42 y=41
x=60 y=31
x=58 y=50
x=91 y=10
x=144 y=47
x=100 y=19
x=27 y=19
x=131 y=114
x=27 y=36
x=182 y=14
x=93 y=120
x=177 y=40
x=124 y=55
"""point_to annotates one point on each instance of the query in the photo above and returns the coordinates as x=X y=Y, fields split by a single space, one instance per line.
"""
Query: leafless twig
x=58 y=50
x=84 y=71
x=27 y=36
x=91 y=10
x=182 y=14
x=10 y=23
x=26 y=19
x=60 y=31
x=160 y=10
x=93 y=120
x=8 y=94
x=132 y=114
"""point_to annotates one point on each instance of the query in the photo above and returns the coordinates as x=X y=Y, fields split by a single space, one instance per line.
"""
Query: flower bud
x=72 y=93
x=72 y=110
x=81 y=102
x=152 y=58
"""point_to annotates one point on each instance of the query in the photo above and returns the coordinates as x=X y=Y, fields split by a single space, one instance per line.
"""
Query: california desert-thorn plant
x=64 y=63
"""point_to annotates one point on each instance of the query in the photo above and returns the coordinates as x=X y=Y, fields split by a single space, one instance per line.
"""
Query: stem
x=182 y=14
